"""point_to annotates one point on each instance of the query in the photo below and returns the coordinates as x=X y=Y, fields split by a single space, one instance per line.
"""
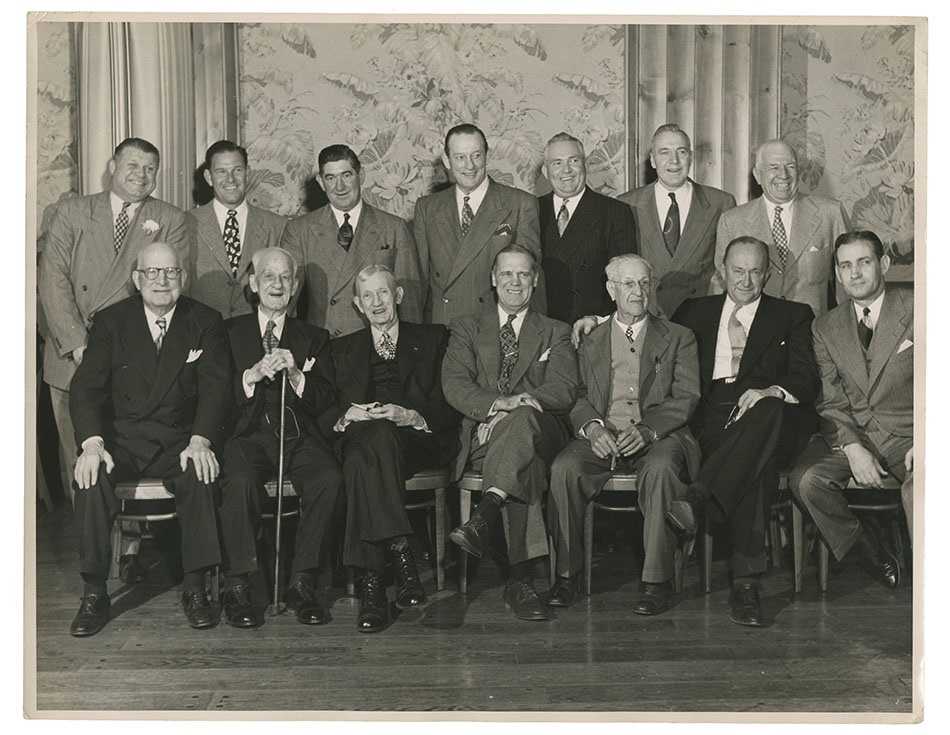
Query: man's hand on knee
x=86 y=472
x=199 y=452
x=865 y=468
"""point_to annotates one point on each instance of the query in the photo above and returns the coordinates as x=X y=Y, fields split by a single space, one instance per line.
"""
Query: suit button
x=332 y=302
x=445 y=301
x=337 y=332
x=85 y=288
x=128 y=398
x=575 y=291
x=583 y=264
x=437 y=273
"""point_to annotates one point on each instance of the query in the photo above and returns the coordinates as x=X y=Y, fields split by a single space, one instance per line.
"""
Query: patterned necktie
x=345 y=236
x=562 y=218
x=779 y=235
x=630 y=337
x=671 y=227
x=509 y=355
x=232 y=241
x=865 y=332
x=161 y=334
x=467 y=216
x=270 y=339
x=386 y=348
x=737 y=340
x=121 y=225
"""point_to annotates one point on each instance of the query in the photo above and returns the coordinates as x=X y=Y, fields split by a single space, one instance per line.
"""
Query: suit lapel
x=655 y=344
x=175 y=348
x=846 y=346
x=252 y=234
x=761 y=334
x=583 y=220
x=407 y=353
x=137 y=340
x=529 y=345
x=210 y=237
x=890 y=328
x=117 y=269
x=697 y=221
x=357 y=360
x=805 y=222
x=488 y=217
x=488 y=346
x=598 y=392
x=352 y=262
x=710 y=336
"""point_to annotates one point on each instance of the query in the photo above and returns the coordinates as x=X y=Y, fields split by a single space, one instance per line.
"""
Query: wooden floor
x=846 y=651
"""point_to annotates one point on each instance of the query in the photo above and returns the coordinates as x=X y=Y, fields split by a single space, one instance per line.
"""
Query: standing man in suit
x=392 y=421
x=263 y=345
x=460 y=230
x=92 y=247
x=149 y=399
x=758 y=382
x=639 y=386
x=581 y=231
x=227 y=231
x=865 y=354
x=338 y=240
x=512 y=373
x=800 y=230
x=676 y=220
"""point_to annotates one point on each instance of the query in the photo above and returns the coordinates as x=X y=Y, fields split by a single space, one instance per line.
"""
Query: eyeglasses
x=644 y=285
x=151 y=274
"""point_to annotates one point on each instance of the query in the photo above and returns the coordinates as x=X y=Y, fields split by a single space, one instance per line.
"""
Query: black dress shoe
x=409 y=589
x=879 y=564
x=684 y=512
x=197 y=609
x=474 y=534
x=131 y=570
x=374 y=605
x=302 y=599
x=238 y=610
x=92 y=616
x=565 y=591
x=745 y=606
x=523 y=602
x=657 y=598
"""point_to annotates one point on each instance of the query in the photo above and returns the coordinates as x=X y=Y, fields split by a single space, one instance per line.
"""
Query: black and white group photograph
x=486 y=368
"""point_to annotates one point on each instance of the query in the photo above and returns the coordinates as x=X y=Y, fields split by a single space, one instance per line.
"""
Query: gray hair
x=370 y=271
x=260 y=255
x=618 y=261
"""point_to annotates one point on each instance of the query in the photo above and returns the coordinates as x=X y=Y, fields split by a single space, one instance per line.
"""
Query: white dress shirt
x=475 y=198
x=684 y=198
x=221 y=213
x=354 y=215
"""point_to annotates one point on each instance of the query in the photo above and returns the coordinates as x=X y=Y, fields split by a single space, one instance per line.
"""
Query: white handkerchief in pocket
x=308 y=364
x=545 y=355
x=906 y=344
x=813 y=249
x=193 y=355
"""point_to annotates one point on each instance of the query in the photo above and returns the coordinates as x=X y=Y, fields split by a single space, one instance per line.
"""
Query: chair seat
x=146 y=488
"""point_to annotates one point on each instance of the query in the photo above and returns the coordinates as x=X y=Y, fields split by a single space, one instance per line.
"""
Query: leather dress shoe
x=745 y=606
x=92 y=616
x=303 y=600
x=684 y=512
x=238 y=610
x=374 y=605
x=523 y=602
x=197 y=609
x=131 y=570
x=473 y=535
x=657 y=598
x=565 y=591
x=409 y=589
x=879 y=564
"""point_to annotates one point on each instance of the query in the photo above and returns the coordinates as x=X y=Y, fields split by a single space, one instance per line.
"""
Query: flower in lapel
x=150 y=226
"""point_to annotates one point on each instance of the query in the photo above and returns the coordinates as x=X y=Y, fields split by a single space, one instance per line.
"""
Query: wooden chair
x=893 y=507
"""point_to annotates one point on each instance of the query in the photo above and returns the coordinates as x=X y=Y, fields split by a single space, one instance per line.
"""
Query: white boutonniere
x=151 y=226
x=545 y=355
x=193 y=355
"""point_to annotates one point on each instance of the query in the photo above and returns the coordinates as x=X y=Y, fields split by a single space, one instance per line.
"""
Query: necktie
x=345 y=236
x=562 y=218
x=467 y=216
x=386 y=348
x=671 y=227
x=232 y=241
x=270 y=339
x=161 y=334
x=864 y=329
x=630 y=337
x=121 y=225
x=737 y=340
x=509 y=355
x=779 y=235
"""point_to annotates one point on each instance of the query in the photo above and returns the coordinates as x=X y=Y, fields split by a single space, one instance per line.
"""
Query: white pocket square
x=906 y=344
x=193 y=355
x=545 y=355
x=813 y=249
x=308 y=364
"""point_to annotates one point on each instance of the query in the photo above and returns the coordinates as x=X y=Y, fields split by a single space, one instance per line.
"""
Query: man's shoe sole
x=460 y=539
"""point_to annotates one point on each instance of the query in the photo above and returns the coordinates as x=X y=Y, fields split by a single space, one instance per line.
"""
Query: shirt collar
x=770 y=206
x=116 y=203
x=222 y=209
x=151 y=316
x=354 y=214
x=686 y=188
x=518 y=321
x=475 y=196
x=378 y=333
x=636 y=326
x=746 y=312
x=262 y=320
x=572 y=202
x=874 y=309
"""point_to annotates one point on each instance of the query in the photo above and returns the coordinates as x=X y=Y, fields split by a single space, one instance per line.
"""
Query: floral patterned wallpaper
x=390 y=91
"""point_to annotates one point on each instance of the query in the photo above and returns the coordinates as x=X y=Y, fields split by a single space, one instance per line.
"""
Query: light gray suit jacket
x=80 y=272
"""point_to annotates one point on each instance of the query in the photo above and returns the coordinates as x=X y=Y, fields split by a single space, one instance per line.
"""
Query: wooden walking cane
x=277 y=607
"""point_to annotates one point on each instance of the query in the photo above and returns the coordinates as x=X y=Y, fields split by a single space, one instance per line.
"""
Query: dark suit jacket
x=458 y=273
x=778 y=350
x=152 y=405
x=687 y=272
x=380 y=238
x=473 y=363
x=573 y=264
x=311 y=350
x=210 y=271
x=857 y=398
x=80 y=273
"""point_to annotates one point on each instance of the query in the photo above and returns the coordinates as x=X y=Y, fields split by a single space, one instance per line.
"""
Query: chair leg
x=439 y=511
x=117 y=536
x=798 y=545
x=775 y=539
x=465 y=512
x=215 y=582
x=823 y=554
x=588 y=545
x=707 y=558
x=898 y=544
x=678 y=569
x=350 y=583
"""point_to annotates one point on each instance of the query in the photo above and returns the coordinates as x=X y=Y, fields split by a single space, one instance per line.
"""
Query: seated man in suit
x=149 y=399
x=513 y=375
x=580 y=231
x=676 y=220
x=758 y=382
x=865 y=356
x=392 y=421
x=338 y=240
x=263 y=345
x=227 y=231
x=639 y=386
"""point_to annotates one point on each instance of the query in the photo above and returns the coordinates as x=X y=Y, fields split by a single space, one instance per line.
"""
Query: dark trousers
x=249 y=462
x=378 y=458
x=96 y=509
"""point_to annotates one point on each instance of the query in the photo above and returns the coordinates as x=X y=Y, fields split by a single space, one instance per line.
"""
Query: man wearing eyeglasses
x=759 y=381
x=264 y=345
x=149 y=399
x=639 y=386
